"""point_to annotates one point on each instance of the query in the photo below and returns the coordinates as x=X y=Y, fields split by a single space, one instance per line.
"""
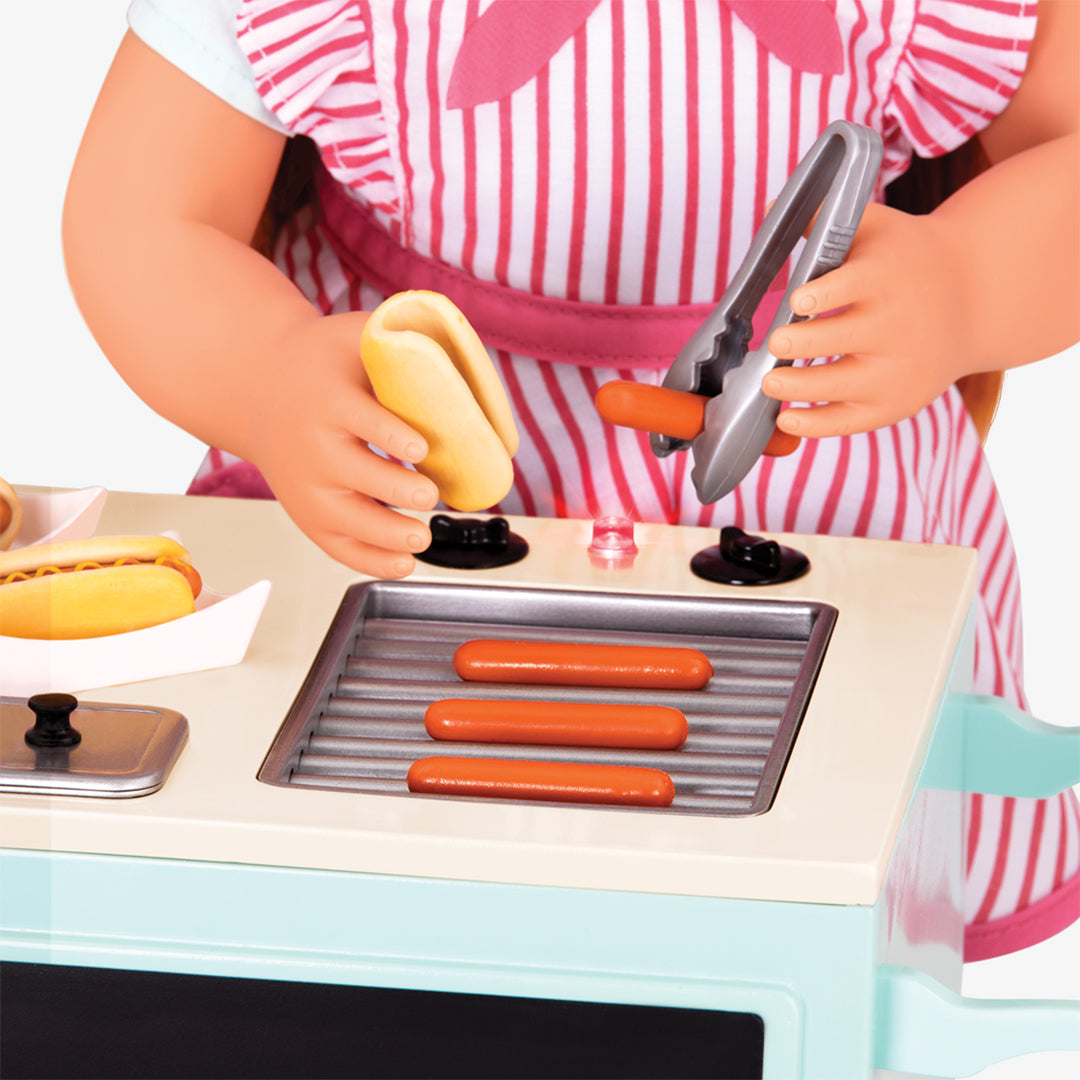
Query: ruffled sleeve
x=963 y=61
x=313 y=68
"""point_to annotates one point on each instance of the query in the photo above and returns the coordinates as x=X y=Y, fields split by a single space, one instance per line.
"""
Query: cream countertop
x=827 y=838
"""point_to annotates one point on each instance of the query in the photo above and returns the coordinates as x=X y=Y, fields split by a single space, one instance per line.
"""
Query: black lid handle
x=53 y=728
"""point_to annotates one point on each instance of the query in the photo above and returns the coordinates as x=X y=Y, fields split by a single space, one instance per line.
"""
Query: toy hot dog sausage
x=646 y=727
x=652 y=408
x=95 y=587
x=427 y=366
x=575 y=664
x=676 y=413
x=549 y=781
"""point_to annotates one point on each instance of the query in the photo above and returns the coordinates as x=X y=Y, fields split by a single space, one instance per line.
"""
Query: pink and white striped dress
x=583 y=177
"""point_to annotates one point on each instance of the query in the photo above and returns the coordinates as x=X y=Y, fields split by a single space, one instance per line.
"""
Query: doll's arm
x=164 y=197
x=988 y=281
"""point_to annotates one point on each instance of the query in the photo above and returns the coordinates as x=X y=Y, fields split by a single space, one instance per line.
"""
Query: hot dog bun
x=10 y=514
x=427 y=366
x=95 y=587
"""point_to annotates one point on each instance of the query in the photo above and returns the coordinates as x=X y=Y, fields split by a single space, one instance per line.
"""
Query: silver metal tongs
x=834 y=180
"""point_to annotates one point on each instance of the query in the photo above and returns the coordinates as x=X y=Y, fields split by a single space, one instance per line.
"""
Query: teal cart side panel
x=985 y=744
x=921 y=902
x=807 y=969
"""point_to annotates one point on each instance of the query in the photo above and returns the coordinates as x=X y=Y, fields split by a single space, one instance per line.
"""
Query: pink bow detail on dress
x=801 y=33
x=508 y=45
x=513 y=39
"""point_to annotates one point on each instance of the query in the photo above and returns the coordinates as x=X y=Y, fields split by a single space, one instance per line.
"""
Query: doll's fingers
x=849 y=282
x=846 y=331
x=359 y=532
x=367 y=558
x=362 y=526
x=849 y=379
x=825 y=421
x=368 y=420
x=831 y=291
x=356 y=468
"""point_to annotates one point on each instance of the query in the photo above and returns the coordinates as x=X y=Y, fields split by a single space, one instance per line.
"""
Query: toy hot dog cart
x=281 y=905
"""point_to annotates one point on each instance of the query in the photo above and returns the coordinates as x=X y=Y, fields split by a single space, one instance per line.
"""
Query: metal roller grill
x=357 y=723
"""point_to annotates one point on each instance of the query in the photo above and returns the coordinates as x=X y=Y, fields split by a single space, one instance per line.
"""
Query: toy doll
x=581 y=177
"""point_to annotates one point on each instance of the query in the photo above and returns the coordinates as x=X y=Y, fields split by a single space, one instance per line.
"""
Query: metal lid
x=124 y=751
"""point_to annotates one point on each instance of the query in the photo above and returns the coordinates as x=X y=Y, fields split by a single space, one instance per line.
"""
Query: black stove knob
x=743 y=559
x=52 y=730
x=473 y=544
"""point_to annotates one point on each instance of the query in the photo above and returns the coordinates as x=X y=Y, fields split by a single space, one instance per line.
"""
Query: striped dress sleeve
x=962 y=64
x=314 y=69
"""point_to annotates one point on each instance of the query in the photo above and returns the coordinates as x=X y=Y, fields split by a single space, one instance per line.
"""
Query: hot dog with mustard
x=95 y=587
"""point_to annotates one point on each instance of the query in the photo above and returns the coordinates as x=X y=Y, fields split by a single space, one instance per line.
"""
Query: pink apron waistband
x=546 y=328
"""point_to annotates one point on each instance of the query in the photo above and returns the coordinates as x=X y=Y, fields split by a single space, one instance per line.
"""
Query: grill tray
x=357 y=723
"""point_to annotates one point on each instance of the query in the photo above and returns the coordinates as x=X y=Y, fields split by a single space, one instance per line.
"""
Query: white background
x=67 y=420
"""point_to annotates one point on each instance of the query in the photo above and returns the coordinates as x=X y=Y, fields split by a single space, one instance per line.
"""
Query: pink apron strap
x=542 y=327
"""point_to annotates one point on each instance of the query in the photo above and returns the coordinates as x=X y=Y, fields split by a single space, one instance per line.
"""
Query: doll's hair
x=292 y=190
x=927 y=183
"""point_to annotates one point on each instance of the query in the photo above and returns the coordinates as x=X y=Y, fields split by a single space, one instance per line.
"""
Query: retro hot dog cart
x=280 y=905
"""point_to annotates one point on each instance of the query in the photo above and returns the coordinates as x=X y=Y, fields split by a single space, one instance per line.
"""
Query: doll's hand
x=894 y=314
x=312 y=417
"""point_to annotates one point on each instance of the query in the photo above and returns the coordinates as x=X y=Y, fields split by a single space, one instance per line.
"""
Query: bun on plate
x=10 y=514
x=95 y=587
x=427 y=366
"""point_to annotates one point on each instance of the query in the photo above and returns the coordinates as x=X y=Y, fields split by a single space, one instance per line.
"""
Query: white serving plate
x=63 y=515
x=216 y=635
